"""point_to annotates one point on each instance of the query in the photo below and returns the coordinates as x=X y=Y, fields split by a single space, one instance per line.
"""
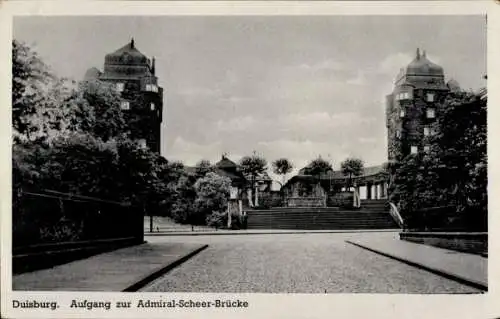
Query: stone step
x=308 y=219
x=324 y=227
x=302 y=213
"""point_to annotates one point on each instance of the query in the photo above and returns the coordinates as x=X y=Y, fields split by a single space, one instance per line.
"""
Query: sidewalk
x=265 y=231
x=125 y=269
x=468 y=269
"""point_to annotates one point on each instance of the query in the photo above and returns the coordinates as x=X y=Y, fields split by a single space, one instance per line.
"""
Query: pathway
x=296 y=263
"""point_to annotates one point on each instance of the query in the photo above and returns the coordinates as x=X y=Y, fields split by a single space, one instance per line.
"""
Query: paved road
x=295 y=263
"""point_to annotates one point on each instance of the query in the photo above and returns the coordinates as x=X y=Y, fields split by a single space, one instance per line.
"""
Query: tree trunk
x=282 y=191
x=150 y=222
x=254 y=194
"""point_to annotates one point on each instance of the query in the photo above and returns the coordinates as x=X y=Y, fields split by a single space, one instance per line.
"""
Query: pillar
x=362 y=192
x=357 y=191
x=376 y=191
x=249 y=197
x=256 y=197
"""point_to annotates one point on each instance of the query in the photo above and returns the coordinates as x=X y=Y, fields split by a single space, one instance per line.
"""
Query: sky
x=297 y=87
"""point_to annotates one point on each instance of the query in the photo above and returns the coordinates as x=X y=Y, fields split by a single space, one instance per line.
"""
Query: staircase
x=373 y=214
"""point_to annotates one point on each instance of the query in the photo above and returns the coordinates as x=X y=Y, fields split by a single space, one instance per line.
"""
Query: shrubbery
x=212 y=194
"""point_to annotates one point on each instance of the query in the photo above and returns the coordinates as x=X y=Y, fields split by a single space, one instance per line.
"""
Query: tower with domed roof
x=413 y=105
x=133 y=75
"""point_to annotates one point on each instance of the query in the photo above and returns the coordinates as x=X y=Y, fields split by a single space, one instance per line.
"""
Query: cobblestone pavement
x=295 y=263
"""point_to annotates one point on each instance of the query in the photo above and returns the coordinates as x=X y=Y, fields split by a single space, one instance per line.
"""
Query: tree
x=252 y=166
x=319 y=166
x=212 y=194
x=45 y=106
x=462 y=155
x=31 y=79
x=451 y=173
x=282 y=167
x=203 y=167
x=352 y=167
x=97 y=109
x=38 y=98
x=182 y=208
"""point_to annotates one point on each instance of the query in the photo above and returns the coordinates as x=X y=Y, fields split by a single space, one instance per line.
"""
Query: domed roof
x=128 y=54
x=423 y=66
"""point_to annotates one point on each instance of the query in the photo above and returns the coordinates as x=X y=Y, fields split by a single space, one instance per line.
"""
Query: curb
x=270 y=233
x=163 y=270
x=462 y=280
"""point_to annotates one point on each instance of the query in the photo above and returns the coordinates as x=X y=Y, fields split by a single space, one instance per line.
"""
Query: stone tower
x=133 y=75
x=412 y=107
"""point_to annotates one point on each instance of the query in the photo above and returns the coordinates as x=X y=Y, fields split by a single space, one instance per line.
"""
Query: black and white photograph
x=247 y=154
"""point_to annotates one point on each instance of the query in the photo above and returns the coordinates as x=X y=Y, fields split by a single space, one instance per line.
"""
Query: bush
x=182 y=211
x=217 y=219
x=212 y=193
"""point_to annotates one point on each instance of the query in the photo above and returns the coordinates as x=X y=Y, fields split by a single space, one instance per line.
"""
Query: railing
x=394 y=211
x=43 y=217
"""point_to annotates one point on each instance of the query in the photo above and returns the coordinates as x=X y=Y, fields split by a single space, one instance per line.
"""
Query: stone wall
x=306 y=202
x=474 y=243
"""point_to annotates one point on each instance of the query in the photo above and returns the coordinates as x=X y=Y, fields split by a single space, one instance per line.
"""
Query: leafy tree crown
x=319 y=166
x=282 y=166
x=352 y=167
x=253 y=165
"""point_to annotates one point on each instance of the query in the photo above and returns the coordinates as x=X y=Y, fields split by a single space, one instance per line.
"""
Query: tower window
x=430 y=97
x=125 y=105
x=431 y=113
x=403 y=96
x=427 y=131
x=402 y=113
x=152 y=106
x=414 y=150
x=120 y=87
x=151 y=88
